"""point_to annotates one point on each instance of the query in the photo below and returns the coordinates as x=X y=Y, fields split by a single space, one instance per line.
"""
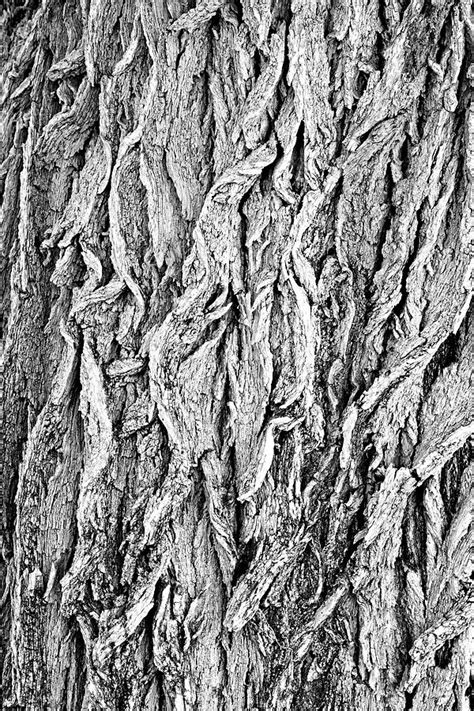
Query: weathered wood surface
x=237 y=353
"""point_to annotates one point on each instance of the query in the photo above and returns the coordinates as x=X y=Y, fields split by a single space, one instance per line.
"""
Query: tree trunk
x=237 y=354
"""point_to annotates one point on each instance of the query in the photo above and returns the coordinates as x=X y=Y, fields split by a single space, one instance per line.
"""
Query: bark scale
x=237 y=348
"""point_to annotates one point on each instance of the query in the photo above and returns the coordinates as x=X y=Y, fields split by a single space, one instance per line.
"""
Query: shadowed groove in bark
x=236 y=356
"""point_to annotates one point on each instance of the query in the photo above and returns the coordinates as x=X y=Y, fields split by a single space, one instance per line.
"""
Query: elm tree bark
x=237 y=353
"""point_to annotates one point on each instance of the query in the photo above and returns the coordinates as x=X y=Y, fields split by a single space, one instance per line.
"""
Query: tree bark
x=237 y=352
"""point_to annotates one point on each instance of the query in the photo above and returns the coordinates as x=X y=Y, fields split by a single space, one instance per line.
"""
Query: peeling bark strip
x=236 y=361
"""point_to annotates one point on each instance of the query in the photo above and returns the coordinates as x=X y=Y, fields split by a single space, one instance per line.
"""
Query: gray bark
x=236 y=417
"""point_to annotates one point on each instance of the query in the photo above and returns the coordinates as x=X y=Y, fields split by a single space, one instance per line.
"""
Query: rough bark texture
x=236 y=416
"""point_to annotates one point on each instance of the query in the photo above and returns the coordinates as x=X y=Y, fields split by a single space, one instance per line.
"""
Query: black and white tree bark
x=236 y=416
